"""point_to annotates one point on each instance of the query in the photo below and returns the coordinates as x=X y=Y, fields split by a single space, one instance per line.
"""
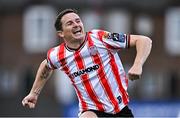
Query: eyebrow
x=71 y=20
x=68 y=21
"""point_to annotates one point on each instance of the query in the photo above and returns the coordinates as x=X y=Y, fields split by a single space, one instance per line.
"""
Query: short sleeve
x=114 y=40
x=51 y=58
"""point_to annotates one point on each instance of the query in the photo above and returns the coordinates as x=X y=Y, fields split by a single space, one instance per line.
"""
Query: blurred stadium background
x=27 y=32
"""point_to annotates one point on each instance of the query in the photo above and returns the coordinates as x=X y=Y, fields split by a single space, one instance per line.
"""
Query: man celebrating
x=91 y=61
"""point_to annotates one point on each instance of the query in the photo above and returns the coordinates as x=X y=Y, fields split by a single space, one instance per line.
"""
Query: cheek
x=67 y=33
x=82 y=27
x=67 y=30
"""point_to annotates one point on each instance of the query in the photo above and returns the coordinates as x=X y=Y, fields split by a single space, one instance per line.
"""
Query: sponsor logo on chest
x=85 y=71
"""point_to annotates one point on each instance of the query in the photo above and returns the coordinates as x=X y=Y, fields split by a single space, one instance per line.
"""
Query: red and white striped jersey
x=95 y=70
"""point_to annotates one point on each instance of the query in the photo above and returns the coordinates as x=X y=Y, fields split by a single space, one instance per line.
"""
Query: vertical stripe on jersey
x=86 y=82
x=102 y=77
x=114 y=67
x=62 y=60
x=49 y=59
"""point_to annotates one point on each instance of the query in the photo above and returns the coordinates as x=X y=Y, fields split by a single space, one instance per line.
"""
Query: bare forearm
x=42 y=76
x=143 y=47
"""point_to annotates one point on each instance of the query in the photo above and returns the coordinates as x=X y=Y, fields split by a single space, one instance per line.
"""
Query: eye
x=78 y=20
x=69 y=23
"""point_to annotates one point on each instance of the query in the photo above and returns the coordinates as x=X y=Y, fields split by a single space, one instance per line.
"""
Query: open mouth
x=77 y=31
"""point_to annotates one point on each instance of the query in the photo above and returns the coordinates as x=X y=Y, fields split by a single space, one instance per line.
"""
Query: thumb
x=24 y=102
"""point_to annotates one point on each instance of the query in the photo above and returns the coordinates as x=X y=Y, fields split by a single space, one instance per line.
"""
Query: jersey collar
x=76 y=49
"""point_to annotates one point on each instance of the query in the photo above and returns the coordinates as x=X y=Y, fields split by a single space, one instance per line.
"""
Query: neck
x=75 y=44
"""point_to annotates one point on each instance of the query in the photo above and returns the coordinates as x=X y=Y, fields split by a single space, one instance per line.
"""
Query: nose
x=75 y=24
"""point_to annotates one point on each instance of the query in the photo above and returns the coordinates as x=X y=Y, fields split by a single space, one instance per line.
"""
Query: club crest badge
x=93 y=50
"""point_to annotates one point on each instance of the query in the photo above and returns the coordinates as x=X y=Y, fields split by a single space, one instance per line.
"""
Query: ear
x=60 y=34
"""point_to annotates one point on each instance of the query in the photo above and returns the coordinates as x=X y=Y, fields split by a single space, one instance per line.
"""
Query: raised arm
x=42 y=76
x=143 y=47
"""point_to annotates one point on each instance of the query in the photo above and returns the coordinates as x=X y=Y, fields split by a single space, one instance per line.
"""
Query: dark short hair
x=58 y=23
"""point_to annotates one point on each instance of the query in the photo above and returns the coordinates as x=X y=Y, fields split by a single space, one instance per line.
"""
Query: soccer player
x=91 y=61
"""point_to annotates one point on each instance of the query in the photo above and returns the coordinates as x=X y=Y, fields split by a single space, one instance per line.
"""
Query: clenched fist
x=135 y=72
x=30 y=100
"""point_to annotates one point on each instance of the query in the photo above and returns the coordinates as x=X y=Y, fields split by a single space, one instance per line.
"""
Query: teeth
x=77 y=30
x=78 y=33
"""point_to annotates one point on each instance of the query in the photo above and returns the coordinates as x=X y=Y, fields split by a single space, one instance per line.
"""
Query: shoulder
x=53 y=56
x=100 y=34
x=54 y=50
x=96 y=31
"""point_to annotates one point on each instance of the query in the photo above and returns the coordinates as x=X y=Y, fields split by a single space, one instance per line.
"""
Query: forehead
x=69 y=16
